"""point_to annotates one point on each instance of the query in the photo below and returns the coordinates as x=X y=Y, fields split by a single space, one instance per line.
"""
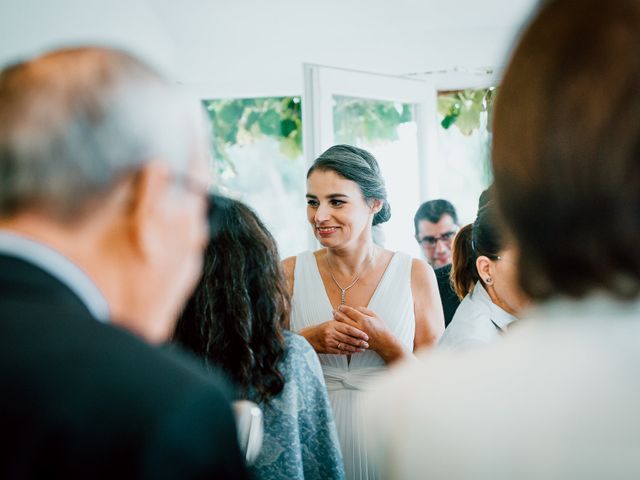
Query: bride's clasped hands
x=336 y=337
x=380 y=338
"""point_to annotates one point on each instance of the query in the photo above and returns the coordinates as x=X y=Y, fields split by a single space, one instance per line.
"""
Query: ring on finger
x=339 y=345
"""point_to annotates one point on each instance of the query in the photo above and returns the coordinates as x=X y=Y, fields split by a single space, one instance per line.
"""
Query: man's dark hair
x=433 y=211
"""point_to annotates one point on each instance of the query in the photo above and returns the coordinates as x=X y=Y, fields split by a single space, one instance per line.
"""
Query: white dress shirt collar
x=499 y=317
x=60 y=267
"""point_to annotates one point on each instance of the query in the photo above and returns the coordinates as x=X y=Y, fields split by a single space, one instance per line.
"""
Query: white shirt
x=58 y=266
x=477 y=321
x=557 y=399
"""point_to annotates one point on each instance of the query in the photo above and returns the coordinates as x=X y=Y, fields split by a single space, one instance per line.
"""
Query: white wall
x=31 y=26
x=256 y=47
x=269 y=40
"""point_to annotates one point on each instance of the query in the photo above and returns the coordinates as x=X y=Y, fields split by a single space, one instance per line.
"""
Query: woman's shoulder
x=468 y=312
x=289 y=263
x=420 y=267
x=296 y=344
x=289 y=266
x=299 y=353
x=416 y=264
x=470 y=326
x=472 y=315
x=396 y=259
x=473 y=304
x=423 y=277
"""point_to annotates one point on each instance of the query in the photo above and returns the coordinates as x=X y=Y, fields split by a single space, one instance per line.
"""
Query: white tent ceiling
x=254 y=47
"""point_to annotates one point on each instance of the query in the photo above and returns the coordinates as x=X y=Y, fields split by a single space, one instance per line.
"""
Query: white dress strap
x=392 y=301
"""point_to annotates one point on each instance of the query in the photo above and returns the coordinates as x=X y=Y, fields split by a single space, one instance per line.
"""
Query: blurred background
x=411 y=81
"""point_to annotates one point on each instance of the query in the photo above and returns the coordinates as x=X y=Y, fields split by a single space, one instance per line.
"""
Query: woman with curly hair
x=235 y=320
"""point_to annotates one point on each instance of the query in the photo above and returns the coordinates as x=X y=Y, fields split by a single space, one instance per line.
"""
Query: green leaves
x=245 y=120
x=287 y=127
x=269 y=122
x=370 y=120
x=242 y=121
x=464 y=107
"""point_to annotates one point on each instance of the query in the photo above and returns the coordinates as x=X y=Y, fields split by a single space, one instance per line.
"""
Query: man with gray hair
x=103 y=196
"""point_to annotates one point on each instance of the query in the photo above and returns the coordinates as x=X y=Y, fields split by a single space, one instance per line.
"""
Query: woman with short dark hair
x=235 y=320
x=360 y=306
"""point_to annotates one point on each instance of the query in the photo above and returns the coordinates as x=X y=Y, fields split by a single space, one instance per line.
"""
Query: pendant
x=343 y=291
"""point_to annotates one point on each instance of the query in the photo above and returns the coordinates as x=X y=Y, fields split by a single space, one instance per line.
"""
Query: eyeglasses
x=431 y=242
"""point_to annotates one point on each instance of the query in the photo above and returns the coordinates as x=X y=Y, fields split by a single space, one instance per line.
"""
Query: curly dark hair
x=235 y=317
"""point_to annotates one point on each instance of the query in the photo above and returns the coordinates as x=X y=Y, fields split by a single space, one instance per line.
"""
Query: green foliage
x=464 y=107
x=371 y=120
x=244 y=120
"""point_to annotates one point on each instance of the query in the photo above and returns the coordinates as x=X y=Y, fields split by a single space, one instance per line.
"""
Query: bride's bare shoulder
x=289 y=266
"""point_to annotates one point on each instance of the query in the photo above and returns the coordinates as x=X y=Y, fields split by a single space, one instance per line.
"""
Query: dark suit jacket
x=450 y=300
x=83 y=399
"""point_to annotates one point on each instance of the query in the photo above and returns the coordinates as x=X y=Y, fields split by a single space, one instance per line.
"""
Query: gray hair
x=75 y=121
x=357 y=165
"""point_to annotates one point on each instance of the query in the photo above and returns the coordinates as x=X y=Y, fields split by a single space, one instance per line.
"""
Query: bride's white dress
x=393 y=302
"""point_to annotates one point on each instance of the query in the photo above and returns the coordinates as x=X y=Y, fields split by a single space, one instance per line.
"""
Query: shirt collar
x=499 y=317
x=60 y=267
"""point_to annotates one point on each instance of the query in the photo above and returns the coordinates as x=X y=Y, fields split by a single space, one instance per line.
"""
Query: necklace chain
x=343 y=291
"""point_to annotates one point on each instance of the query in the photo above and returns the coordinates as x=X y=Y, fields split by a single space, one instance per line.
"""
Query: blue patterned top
x=300 y=440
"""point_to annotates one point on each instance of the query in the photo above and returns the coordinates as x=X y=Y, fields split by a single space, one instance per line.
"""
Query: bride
x=360 y=306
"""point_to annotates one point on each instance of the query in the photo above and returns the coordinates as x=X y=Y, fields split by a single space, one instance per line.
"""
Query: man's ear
x=485 y=268
x=148 y=192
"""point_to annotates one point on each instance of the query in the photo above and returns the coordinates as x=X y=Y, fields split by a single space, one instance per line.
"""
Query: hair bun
x=359 y=166
x=383 y=215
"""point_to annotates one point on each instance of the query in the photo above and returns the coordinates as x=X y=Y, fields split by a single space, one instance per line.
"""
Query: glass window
x=389 y=131
x=464 y=143
x=258 y=155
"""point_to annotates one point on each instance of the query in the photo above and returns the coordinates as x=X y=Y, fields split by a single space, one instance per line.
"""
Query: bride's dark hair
x=234 y=319
x=357 y=165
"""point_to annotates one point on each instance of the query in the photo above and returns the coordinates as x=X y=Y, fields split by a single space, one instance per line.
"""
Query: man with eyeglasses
x=436 y=224
x=103 y=200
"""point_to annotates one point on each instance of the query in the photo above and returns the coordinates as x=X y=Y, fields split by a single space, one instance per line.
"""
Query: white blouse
x=477 y=322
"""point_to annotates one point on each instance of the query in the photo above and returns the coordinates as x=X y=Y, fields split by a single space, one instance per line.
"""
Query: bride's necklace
x=343 y=291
